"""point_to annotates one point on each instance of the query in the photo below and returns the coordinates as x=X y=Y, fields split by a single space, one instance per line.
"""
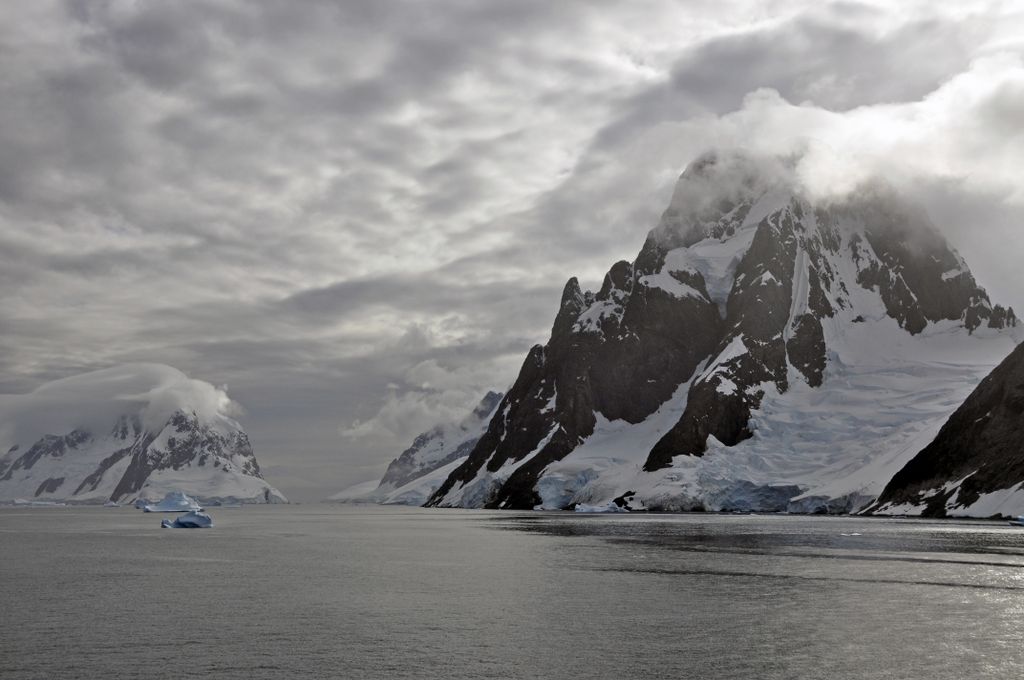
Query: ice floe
x=190 y=520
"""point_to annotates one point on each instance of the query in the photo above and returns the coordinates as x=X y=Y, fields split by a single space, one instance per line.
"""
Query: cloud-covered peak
x=95 y=400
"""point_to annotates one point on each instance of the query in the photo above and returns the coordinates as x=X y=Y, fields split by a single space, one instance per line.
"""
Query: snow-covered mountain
x=975 y=466
x=766 y=350
x=415 y=474
x=134 y=431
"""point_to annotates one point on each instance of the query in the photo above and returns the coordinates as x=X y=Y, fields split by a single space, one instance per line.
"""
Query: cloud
x=429 y=394
x=94 y=401
x=966 y=130
x=308 y=201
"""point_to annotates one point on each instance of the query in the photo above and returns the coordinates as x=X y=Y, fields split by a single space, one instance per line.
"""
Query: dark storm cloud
x=359 y=215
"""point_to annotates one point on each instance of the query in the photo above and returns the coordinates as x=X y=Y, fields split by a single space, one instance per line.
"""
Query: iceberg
x=190 y=520
x=175 y=501
x=609 y=507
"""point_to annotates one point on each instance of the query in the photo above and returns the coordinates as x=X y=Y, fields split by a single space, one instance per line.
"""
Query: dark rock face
x=806 y=348
x=49 y=485
x=732 y=327
x=982 y=444
x=601 y=347
x=410 y=465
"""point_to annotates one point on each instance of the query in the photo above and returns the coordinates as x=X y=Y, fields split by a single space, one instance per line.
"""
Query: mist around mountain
x=418 y=471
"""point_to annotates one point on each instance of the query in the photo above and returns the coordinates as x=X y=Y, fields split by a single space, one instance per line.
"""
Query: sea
x=330 y=591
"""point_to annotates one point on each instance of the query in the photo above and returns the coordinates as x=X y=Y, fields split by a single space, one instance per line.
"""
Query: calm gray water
x=328 y=591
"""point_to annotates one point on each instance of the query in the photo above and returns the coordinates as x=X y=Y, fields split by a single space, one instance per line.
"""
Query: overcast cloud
x=359 y=215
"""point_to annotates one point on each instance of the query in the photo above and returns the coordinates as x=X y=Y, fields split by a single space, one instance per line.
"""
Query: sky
x=357 y=217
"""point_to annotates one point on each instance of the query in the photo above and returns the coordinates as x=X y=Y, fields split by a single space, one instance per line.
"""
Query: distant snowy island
x=136 y=431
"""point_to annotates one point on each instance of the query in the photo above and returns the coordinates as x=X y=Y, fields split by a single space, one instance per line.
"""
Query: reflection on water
x=327 y=591
x=998 y=551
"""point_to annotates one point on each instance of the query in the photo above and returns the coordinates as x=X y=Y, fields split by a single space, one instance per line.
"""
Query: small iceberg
x=190 y=520
x=608 y=508
x=111 y=504
x=175 y=501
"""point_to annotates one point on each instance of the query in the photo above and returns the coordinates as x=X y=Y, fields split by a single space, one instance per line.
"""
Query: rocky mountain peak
x=742 y=288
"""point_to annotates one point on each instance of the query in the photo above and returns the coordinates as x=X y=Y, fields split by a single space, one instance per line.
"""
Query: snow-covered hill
x=765 y=351
x=415 y=474
x=134 y=431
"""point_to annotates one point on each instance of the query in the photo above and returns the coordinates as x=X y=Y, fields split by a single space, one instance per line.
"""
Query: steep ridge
x=975 y=466
x=749 y=297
